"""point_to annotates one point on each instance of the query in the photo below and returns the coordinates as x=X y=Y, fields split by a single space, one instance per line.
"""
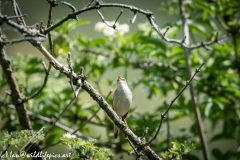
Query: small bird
x=122 y=100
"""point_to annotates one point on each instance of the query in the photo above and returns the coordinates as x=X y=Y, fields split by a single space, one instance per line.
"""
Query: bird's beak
x=119 y=78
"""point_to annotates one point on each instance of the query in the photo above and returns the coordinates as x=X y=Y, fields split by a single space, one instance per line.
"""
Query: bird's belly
x=122 y=106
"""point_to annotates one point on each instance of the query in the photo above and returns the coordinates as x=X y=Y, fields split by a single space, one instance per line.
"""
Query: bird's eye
x=123 y=79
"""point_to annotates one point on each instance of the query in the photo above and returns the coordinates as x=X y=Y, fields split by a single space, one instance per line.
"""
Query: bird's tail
x=116 y=131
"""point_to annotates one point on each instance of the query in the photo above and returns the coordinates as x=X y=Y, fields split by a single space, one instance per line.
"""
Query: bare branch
x=32 y=32
x=53 y=3
x=134 y=17
x=57 y=65
x=144 y=134
x=43 y=85
x=18 y=13
x=168 y=108
x=60 y=115
x=166 y=31
x=69 y=5
x=13 y=17
x=72 y=7
x=103 y=20
x=16 y=95
x=89 y=3
x=20 y=40
x=114 y=25
x=184 y=38
x=134 y=149
x=69 y=60
x=41 y=27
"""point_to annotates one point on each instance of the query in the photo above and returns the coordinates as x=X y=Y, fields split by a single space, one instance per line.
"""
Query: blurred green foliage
x=162 y=72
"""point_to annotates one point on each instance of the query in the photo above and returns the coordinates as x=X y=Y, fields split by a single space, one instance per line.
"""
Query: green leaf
x=208 y=109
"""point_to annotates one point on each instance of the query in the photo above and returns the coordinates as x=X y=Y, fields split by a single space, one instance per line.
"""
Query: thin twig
x=69 y=60
x=19 y=14
x=15 y=9
x=103 y=20
x=48 y=25
x=41 y=26
x=89 y=3
x=114 y=25
x=87 y=121
x=134 y=17
x=47 y=70
x=134 y=149
x=166 y=31
x=50 y=43
x=13 y=17
x=52 y=3
x=70 y=6
x=20 y=40
x=60 y=115
x=73 y=9
x=33 y=32
x=168 y=108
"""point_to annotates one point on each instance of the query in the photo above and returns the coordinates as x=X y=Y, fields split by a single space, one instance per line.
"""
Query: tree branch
x=31 y=32
x=192 y=94
x=15 y=94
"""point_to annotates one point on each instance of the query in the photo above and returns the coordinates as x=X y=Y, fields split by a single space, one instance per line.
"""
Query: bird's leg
x=125 y=115
x=123 y=118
